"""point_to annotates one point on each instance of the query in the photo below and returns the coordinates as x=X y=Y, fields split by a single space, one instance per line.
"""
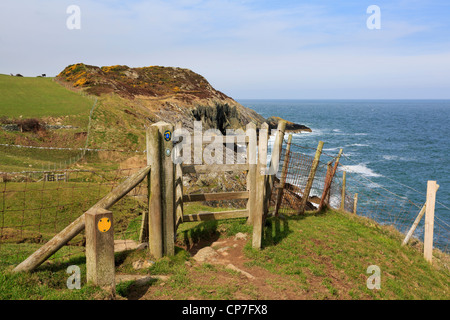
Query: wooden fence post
x=355 y=203
x=164 y=168
x=276 y=153
x=100 y=266
x=274 y=163
x=155 y=204
x=327 y=187
x=283 y=176
x=414 y=225
x=258 y=218
x=327 y=178
x=416 y=222
x=311 y=176
x=252 y=167
x=144 y=232
x=344 y=174
x=429 y=221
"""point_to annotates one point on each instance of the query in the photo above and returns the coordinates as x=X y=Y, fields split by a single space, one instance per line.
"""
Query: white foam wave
x=315 y=132
x=358 y=145
x=361 y=169
x=396 y=158
x=331 y=149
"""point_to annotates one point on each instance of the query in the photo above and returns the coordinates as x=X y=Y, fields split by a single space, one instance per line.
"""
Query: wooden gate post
x=429 y=221
x=258 y=217
x=251 y=176
x=168 y=188
x=155 y=205
x=162 y=197
x=100 y=248
x=311 y=176
x=144 y=232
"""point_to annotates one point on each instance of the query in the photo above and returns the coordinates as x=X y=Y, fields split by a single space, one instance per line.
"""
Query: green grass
x=42 y=98
x=49 y=283
x=31 y=213
x=340 y=246
x=39 y=97
x=319 y=256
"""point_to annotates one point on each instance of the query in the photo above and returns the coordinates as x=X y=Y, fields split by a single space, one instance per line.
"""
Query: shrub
x=29 y=125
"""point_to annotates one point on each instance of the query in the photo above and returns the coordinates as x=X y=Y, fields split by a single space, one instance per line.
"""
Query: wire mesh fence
x=35 y=206
x=395 y=209
x=374 y=201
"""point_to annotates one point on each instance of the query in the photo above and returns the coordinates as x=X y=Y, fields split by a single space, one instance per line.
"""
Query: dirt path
x=220 y=270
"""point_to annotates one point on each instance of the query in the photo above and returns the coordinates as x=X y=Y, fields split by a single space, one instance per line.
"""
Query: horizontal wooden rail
x=205 y=168
x=204 y=216
x=239 y=139
x=215 y=196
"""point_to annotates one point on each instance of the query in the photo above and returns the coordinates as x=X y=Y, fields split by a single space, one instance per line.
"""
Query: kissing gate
x=166 y=198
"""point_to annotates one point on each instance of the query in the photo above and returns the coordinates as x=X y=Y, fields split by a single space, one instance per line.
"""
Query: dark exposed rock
x=290 y=126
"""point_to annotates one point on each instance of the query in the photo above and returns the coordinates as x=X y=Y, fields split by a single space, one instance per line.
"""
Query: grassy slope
x=112 y=128
x=315 y=256
x=39 y=97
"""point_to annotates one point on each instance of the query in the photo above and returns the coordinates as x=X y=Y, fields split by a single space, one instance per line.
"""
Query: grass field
x=52 y=103
x=313 y=256
x=39 y=97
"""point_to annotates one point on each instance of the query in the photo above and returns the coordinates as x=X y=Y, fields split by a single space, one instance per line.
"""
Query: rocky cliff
x=166 y=93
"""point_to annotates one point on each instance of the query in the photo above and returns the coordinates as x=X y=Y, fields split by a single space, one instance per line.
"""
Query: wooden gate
x=166 y=196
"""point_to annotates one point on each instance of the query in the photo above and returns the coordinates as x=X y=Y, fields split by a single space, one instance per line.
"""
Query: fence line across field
x=44 y=217
x=33 y=209
x=72 y=149
x=360 y=195
x=157 y=224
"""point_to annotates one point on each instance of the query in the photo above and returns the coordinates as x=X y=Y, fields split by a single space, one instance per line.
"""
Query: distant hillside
x=123 y=101
x=38 y=97
x=169 y=94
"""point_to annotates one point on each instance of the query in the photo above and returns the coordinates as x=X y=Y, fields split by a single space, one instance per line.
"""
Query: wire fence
x=374 y=200
x=35 y=206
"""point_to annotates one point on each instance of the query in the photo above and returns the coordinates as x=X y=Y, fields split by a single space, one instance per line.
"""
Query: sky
x=248 y=49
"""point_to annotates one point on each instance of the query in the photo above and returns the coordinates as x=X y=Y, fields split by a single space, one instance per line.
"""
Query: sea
x=394 y=145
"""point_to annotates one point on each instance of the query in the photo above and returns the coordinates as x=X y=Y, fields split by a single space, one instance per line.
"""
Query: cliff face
x=162 y=93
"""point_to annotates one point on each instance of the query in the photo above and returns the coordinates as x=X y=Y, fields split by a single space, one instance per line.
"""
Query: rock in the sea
x=290 y=126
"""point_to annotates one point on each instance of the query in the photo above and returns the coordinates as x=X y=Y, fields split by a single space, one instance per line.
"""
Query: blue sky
x=247 y=49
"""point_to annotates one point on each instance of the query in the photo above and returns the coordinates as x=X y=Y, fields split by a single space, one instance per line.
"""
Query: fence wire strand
x=375 y=201
x=35 y=206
